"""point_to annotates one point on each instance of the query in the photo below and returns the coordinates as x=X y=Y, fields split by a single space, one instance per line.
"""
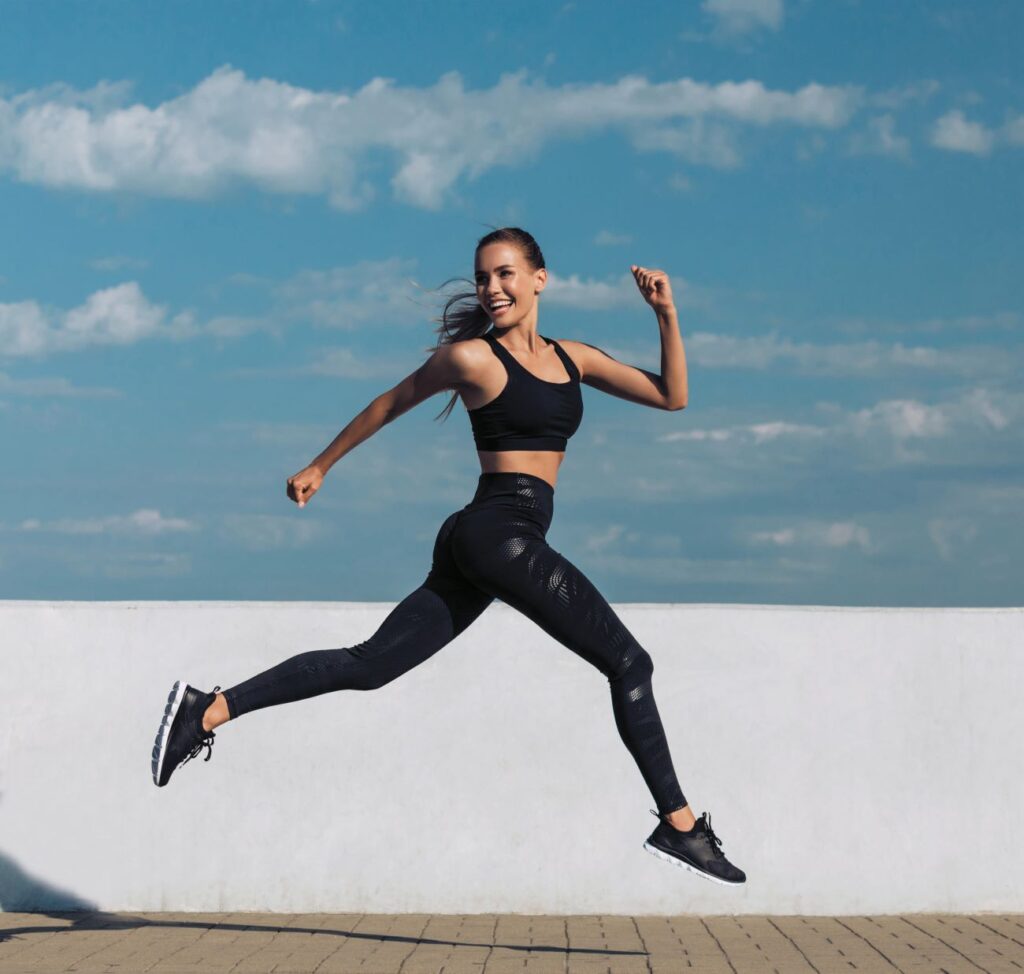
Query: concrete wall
x=853 y=761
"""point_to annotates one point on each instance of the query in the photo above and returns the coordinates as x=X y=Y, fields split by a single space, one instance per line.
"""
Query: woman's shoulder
x=467 y=355
x=468 y=347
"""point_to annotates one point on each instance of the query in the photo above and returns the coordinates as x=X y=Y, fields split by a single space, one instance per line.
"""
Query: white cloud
x=783 y=537
x=842 y=534
x=697 y=140
x=816 y=534
x=742 y=16
x=904 y=94
x=1013 y=129
x=979 y=403
x=119 y=315
x=24 y=329
x=145 y=521
x=880 y=138
x=230 y=129
x=344 y=298
x=712 y=350
x=115 y=316
x=606 y=238
x=604 y=539
x=347 y=297
x=755 y=433
x=976 y=422
x=901 y=418
x=590 y=294
x=964 y=420
x=954 y=131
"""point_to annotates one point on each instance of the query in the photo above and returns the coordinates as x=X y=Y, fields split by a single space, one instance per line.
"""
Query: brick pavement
x=258 y=943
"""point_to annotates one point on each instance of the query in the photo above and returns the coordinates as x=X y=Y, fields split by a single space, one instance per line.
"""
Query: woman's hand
x=655 y=287
x=305 y=484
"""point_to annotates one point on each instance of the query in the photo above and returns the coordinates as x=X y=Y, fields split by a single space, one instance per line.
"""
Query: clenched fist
x=654 y=286
x=304 y=485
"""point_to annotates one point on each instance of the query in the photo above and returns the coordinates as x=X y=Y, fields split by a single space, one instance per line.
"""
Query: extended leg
x=422 y=623
x=528 y=574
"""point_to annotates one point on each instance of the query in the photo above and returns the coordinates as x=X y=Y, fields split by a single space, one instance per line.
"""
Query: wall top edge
x=258 y=605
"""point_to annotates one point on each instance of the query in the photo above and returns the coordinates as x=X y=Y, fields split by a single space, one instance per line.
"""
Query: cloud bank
x=230 y=129
x=120 y=315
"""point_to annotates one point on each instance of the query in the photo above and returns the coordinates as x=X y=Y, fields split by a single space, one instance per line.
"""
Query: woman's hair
x=463 y=316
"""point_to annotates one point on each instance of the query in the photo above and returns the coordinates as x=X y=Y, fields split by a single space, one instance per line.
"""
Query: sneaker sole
x=654 y=850
x=174 y=699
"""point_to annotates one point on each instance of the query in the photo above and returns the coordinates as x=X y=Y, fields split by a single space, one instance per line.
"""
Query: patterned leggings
x=494 y=547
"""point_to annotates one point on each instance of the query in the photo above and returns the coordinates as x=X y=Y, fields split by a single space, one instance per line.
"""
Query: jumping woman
x=522 y=393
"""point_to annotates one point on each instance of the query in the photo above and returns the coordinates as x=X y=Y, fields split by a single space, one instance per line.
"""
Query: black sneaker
x=180 y=736
x=698 y=850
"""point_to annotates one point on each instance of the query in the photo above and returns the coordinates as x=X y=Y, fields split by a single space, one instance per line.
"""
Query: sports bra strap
x=504 y=354
x=570 y=365
x=498 y=349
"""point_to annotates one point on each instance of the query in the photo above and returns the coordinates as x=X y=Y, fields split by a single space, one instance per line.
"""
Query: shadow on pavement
x=22 y=893
x=114 y=921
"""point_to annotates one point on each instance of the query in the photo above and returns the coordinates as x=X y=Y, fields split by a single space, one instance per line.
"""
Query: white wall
x=853 y=761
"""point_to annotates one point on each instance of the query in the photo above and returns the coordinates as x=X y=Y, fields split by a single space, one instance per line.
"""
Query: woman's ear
x=541 y=280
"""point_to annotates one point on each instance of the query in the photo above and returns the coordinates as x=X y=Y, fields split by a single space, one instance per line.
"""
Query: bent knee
x=635 y=662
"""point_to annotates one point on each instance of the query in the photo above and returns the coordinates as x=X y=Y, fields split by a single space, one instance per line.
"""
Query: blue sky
x=223 y=221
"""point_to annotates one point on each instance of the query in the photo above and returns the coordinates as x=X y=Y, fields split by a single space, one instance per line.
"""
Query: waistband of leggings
x=521 y=484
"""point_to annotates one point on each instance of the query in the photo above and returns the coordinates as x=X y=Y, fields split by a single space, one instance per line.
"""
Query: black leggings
x=494 y=547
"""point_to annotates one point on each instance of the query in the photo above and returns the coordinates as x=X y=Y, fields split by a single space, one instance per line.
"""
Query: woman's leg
x=422 y=623
x=524 y=571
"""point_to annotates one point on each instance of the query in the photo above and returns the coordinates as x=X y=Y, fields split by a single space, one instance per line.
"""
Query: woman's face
x=506 y=285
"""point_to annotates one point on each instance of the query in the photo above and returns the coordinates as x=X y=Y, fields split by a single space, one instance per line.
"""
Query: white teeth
x=501 y=304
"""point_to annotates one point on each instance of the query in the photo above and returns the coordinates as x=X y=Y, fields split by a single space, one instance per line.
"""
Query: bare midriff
x=539 y=463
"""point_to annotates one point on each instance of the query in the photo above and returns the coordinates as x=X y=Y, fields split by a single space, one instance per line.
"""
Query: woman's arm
x=666 y=391
x=657 y=292
x=447 y=368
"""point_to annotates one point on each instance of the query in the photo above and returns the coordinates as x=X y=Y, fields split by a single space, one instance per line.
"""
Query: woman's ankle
x=682 y=819
x=216 y=714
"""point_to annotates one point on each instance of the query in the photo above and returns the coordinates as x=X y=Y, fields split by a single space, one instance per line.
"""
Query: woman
x=522 y=393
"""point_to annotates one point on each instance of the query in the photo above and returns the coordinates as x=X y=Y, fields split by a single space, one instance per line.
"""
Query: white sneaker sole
x=654 y=850
x=170 y=712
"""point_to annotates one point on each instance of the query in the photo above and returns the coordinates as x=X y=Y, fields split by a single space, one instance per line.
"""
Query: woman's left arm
x=666 y=391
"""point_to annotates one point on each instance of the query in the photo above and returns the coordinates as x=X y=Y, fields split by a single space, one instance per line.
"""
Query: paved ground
x=247 y=943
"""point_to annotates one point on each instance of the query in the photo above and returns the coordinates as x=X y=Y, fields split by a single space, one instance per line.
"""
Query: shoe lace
x=206 y=740
x=713 y=840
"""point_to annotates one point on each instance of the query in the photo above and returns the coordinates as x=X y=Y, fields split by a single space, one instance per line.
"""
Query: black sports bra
x=529 y=413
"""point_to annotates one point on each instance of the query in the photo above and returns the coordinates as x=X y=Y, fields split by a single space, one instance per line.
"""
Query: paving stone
x=252 y=943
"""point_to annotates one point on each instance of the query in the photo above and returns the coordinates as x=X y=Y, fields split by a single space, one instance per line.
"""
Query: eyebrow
x=500 y=267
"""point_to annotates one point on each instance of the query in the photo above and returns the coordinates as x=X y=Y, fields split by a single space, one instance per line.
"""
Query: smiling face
x=506 y=285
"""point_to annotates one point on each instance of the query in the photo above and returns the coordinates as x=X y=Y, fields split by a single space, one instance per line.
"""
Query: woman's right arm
x=449 y=367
